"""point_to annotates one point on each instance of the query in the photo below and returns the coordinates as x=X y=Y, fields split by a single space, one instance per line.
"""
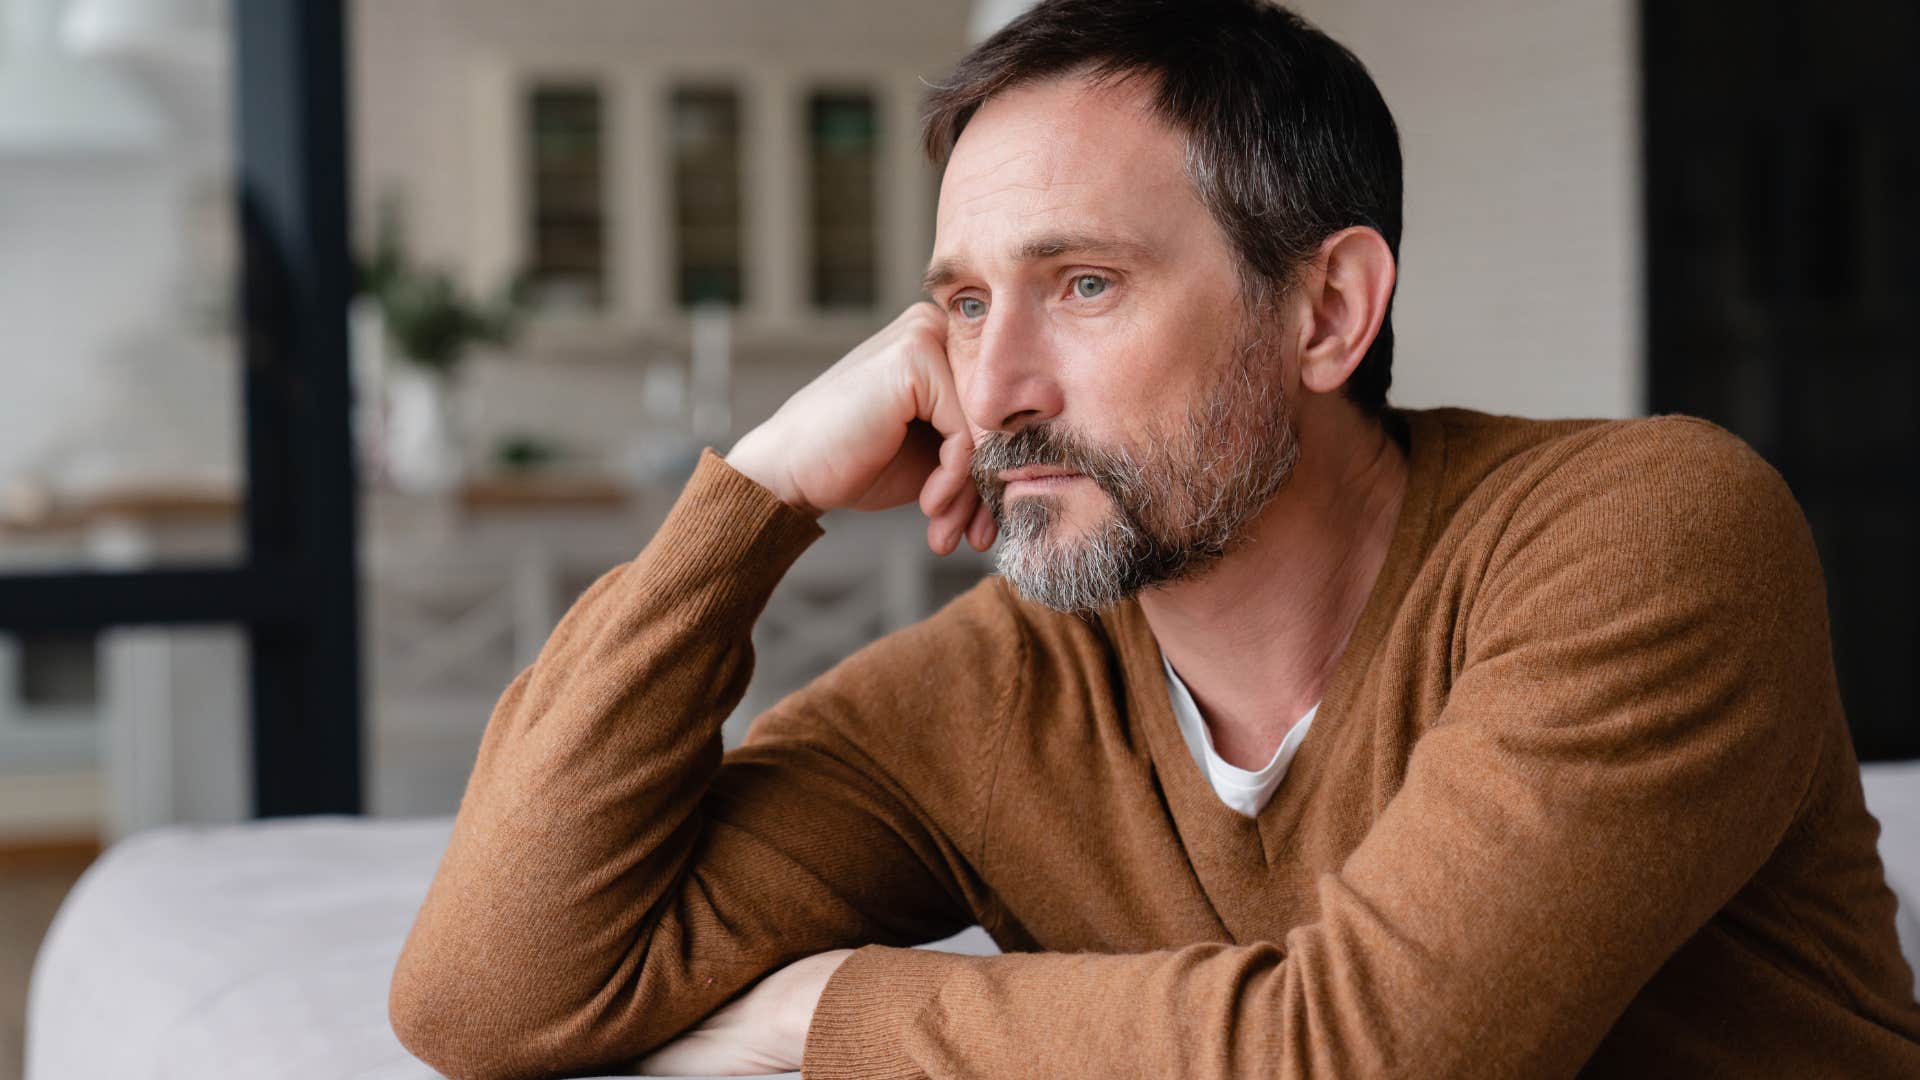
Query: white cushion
x=255 y=950
x=1893 y=795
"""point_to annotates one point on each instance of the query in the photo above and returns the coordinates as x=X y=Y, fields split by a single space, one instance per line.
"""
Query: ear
x=1343 y=298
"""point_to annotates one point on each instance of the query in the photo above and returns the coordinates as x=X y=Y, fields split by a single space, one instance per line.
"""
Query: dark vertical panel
x=1782 y=194
x=843 y=150
x=301 y=513
x=709 y=216
x=566 y=137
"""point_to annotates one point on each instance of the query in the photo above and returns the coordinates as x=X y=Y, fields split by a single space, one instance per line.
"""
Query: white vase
x=422 y=441
x=367 y=338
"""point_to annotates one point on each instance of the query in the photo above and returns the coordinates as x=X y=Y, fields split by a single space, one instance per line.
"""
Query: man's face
x=1096 y=333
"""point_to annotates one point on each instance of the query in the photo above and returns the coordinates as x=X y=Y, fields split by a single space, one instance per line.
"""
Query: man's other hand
x=764 y=1030
x=877 y=429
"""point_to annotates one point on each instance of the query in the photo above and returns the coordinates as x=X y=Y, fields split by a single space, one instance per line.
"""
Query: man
x=1575 y=791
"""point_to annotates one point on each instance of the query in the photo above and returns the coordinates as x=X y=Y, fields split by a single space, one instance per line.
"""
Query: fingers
x=936 y=398
x=947 y=527
x=947 y=495
x=965 y=516
x=982 y=530
x=949 y=477
x=953 y=504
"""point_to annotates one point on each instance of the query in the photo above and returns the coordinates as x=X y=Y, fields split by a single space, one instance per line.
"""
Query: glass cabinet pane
x=843 y=151
x=705 y=126
x=568 y=265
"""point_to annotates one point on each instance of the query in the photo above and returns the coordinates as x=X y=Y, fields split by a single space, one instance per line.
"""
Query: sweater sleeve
x=1641 y=693
x=612 y=876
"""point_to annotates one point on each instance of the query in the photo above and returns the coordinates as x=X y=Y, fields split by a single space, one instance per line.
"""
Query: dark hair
x=1289 y=140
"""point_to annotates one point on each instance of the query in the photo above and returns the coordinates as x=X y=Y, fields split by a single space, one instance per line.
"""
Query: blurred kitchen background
x=593 y=236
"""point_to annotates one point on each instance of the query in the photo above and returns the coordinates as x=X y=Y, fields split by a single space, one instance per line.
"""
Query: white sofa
x=258 y=951
x=263 y=950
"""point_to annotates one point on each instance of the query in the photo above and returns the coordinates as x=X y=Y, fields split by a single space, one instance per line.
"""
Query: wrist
x=869 y=1003
x=805 y=998
x=750 y=459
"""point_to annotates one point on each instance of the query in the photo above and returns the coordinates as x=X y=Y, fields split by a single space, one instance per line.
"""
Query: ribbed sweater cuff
x=732 y=534
x=859 y=1029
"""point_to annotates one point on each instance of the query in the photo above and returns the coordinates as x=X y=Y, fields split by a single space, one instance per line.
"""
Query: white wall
x=1520 y=257
x=102 y=378
x=112 y=267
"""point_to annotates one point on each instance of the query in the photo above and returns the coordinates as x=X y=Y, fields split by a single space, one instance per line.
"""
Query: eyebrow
x=945 y=271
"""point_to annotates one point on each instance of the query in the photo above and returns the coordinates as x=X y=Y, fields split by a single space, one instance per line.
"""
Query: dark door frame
x=1779 y=174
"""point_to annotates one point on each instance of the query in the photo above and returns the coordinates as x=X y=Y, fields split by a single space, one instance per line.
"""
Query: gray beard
x=1177 y=507
x=1078 y=576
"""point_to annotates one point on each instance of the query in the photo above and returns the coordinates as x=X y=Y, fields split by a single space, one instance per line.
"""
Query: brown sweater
x=1580 y=797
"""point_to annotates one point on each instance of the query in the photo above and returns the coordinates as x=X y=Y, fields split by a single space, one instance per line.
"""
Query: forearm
x=581 y=815
x=1206 y=1012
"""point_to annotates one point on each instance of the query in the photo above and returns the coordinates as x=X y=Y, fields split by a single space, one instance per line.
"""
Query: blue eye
x=971 y=307
x=1088 y=286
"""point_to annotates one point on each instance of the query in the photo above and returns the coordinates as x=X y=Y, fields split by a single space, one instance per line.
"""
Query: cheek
x=1124 y=394
x=1105 y=370
x=1156 y=342
x=1144 y=372
x=961 y=365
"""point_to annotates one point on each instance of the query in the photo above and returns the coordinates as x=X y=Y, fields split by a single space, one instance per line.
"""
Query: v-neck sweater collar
x=1213 y=830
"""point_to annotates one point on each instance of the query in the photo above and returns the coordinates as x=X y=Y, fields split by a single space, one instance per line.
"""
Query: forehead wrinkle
x=1006 y=162
x=1040 y=186
x=966 y=204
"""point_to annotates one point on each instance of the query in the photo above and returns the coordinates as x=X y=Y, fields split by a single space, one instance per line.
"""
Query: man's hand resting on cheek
x=873 y=431
x=764 y=1030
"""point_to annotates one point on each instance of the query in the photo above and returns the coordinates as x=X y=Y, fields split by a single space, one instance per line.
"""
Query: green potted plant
x=428 y=324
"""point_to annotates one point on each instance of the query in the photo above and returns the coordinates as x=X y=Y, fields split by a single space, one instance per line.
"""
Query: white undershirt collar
x=1244 y=790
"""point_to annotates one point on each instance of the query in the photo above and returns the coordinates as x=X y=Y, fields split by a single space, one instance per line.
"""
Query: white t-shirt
x=1240 y=789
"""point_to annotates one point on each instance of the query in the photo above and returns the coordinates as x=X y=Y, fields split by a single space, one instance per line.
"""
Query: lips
x=1035 y=472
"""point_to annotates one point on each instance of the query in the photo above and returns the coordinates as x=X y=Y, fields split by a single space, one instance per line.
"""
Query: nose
x=1011 y=383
